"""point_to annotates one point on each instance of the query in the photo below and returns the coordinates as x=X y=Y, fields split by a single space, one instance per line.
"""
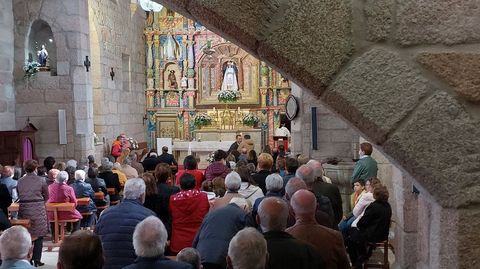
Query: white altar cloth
x=203 y=146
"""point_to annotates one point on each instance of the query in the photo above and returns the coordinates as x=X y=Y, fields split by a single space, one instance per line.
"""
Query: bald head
x=293 y=185
x=305 y=172
x=272 y=214
x=317 y=168
x=303 y=203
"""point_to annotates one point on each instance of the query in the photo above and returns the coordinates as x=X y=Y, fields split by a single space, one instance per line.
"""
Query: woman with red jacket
x=188 y=208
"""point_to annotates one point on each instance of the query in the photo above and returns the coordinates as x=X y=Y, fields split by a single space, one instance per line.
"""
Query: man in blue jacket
x=117 y=223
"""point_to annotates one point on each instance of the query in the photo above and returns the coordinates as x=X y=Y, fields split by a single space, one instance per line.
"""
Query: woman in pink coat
x=60 y=192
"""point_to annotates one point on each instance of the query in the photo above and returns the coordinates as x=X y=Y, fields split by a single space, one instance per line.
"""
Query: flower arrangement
x=210 y=157
x=133 y=143
x=31 y=68
x=202 y=119
x=226 y=96
x=250 y=119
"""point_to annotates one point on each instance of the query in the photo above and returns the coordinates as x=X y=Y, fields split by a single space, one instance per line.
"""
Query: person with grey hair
x=190 y=256
x=117 y=224
x=293 y=185
x=247 y=250
x=233 y=182
x=321 y=187
x=328 y=197
x=149 y=240
x=60 y=192
x=217 y=229
x=85 y=190
x=127 y=168
x=274 y=185
x=284 y=250
x=135 y=164
x=111 y=180
x=318 y=171
x=16 y=248
x=8 y=181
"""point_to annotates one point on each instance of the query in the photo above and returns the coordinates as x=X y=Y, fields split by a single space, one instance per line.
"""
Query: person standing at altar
x=247 y=143
x=168 y=158
x=234 y=146
x=218 y=168
x=117 y=147
x=282 y=131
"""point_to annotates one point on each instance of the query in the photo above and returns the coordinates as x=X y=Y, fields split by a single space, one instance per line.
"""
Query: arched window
x=41 y=47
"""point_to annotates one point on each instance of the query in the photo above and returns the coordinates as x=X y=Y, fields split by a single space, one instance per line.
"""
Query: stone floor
x=50 y=258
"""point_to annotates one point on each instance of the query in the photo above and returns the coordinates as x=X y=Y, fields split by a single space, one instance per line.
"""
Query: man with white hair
x=117 y=223
x=308 y=230
x=16 y=248
x=274 y=185
x=247 y=250
x=149 y=240
x=233 y=182
x=85 y=190
x=328 y=197
x=218 y=228
x=318 y=171
x=284 y=250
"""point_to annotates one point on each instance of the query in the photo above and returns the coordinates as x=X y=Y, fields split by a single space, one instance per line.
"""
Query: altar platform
x=200 y=149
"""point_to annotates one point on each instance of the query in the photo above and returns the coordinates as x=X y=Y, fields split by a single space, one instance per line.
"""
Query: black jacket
x=260 y=179
x=333 y=193
x=112 y=181
x=286 y=252
x=150 y=163
x=375 y=223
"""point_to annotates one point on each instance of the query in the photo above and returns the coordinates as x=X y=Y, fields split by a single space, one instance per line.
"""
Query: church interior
x=317 y=78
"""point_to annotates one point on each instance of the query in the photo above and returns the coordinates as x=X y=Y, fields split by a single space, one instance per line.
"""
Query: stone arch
x=352 y=55
x=40 y=33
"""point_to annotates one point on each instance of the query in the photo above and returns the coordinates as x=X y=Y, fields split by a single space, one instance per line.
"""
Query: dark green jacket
x=365 y=168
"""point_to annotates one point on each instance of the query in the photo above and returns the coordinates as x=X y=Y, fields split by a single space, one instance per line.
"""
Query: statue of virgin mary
x=171 y=49
x=230 y=81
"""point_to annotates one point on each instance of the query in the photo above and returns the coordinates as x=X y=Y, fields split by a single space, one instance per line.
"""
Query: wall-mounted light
x=144 y=118
x=112 y=73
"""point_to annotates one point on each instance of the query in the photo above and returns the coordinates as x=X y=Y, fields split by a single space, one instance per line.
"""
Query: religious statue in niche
x=172 y=80
x=171 y=48
x=42 y=56
x=230 y=76
x=184 y=82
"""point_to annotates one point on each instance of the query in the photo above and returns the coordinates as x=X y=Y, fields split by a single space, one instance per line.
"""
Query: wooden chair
x=100 y=196
x=111 y=191
x=59 y=225
x=384 y=246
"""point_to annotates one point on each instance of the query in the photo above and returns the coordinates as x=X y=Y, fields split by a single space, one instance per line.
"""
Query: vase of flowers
x=228 y=96
x=250 y=120
x=30 y=69
x=202 y=119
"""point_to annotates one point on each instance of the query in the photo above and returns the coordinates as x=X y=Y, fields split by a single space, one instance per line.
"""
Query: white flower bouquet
x=227 y=96
x=31 y=68
x=250 y=119
x=210 y=157
x=202 y=119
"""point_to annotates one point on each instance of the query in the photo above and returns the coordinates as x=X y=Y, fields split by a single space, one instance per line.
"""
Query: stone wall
x=335 y=138
x=116 y=32
x=404 y=73
x=40 y=97
x=7 y=94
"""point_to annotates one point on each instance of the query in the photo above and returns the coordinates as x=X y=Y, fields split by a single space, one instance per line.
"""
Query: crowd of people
x=270 y=210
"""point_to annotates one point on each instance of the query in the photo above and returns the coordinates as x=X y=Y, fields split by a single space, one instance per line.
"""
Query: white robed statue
x=230 y=81
x=171 y=49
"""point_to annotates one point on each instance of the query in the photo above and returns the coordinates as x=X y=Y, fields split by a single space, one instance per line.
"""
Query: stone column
x=7 y=95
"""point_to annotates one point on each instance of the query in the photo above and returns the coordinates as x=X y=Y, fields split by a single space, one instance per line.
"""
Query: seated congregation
x=243 y=213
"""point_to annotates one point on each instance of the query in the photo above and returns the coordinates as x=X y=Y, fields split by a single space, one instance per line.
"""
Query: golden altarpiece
x=185 y=70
